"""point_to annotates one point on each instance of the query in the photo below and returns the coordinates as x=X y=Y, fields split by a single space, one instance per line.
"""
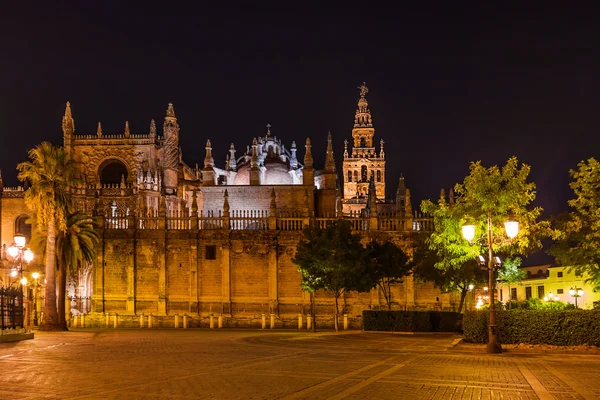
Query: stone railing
x=263 y=220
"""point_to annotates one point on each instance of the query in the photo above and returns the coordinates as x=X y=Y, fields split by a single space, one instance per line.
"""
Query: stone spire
x=232 y=162
x=68 y=123
x=345 y=148
x=293 y=158
x=329 y=161
x=226 y=204
x=443 y=194
x=152 y=128
x=308 y=173
x=99 y=130
x=209 y=161
x=171 y=150
x=254 y=166
x=268 y=130
x=127 y=132
x=451 y=196
x=381 y=152
x=407 y=205
x=308 y=158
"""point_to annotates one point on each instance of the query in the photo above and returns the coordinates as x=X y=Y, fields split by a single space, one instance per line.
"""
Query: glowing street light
x=576 y=292
x=512 y=230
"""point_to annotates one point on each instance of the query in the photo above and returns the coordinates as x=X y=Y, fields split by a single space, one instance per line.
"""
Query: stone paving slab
x=238 y=364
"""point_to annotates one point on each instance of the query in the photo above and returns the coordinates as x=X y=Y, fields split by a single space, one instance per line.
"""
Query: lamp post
x=20 y=253
x=468 y=231
x=35 y=275
x=576 y=292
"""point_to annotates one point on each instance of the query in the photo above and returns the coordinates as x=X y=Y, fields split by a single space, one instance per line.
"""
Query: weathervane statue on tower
x=363 y=89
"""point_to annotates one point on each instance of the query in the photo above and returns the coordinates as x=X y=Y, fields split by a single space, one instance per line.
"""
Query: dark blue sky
x=448 y=84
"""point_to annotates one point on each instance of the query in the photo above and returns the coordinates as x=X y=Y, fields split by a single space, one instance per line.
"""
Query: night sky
x=448 y=85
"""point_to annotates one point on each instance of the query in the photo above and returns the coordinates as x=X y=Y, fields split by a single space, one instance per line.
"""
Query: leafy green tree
x=494 y=194
x=578 y=231
x=510 y=273
x=453 y=279
x=75 y=246
x=50 y=172
x=333 y=259
x=389 y=264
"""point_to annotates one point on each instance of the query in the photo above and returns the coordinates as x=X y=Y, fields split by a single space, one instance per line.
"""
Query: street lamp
x=20 y=253
x=512 y=229
x=35 y=275
x=576 y=292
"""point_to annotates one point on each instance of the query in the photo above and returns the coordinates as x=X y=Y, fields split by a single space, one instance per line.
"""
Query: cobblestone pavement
x=237 y=364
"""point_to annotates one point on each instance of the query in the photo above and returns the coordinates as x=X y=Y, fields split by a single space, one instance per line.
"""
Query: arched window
x=355 y=176
x=111 y=171
x=372 y=174
x=349 y=176
x=363 y=142
x=363 y=173
x=22 y=227
x=378 y=176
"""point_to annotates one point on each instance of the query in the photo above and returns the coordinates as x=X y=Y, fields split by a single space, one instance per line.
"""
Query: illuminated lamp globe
x=580 y=292
x=512 y=228
x=35 y=275
x=23 y=281
x=468 y=232
x=13 y=273
x=28 y=255
x=19 y=240
x=13 y=251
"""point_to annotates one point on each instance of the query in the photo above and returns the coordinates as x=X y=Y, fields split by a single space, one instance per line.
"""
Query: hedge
x=555 y=327
x=410 y=321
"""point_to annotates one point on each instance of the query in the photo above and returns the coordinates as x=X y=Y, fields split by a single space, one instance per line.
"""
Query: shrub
x=410 y=321
x=555 y=327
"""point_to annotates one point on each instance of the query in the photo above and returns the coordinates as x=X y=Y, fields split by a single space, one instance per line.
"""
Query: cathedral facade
x=219 y=239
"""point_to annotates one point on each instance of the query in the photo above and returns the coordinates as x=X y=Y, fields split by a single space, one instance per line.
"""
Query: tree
x=389 y=264
x=577 y=232
x=333 y=259
x=453 y=279
x=74 y=246
x=494 y=194
x=50 y=173
x=510 y=273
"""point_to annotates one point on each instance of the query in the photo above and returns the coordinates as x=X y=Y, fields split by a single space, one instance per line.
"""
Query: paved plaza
x=246 y=364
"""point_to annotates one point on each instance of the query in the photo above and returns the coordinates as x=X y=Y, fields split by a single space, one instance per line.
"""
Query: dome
x=242 y=177
x=277 y=174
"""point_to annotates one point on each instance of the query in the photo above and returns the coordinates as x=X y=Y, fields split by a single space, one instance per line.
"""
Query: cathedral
x=218 y=239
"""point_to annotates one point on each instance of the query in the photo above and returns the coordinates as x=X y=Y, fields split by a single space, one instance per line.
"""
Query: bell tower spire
x=362 y=161
x=68 y=127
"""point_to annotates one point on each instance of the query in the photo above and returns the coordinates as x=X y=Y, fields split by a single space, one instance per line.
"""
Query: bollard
x=308 y=322
x=141 y=320
x=176 y=321
x=150 y=321
x=220 y=321
x=299 y=321
x=185 y=321
x=345 y=322
x=212 y=321
x=264 y=321
x=272 y=321
x=83 y=320
x=115 y=320
x=74 y=321
x=107 y=319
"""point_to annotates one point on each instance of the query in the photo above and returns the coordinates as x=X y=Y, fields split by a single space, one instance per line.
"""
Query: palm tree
x=74 y=246
x=49 y=172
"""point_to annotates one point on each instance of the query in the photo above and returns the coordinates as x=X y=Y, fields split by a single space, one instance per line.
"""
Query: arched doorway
x=111 y=171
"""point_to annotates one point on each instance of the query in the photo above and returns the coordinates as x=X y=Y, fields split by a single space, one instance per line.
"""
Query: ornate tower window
x=363 y=174
x=349 y=176
x=378 y=176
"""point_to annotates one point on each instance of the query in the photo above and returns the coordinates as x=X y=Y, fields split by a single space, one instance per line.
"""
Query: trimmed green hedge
x=555 y=327
x=410 y=321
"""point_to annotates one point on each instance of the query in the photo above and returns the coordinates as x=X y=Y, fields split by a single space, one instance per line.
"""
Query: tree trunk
x=335 y=320
x=314 y=317
x=388 y=297
x=50 y=321
x=463 y=295
x=62 y=291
